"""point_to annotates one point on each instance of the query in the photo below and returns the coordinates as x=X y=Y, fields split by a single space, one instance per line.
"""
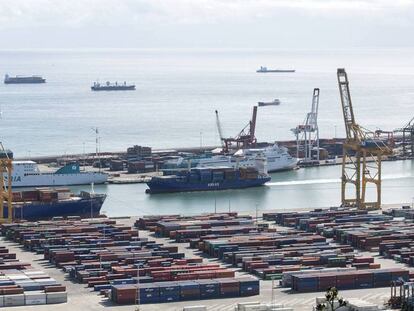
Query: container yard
x=208 y=259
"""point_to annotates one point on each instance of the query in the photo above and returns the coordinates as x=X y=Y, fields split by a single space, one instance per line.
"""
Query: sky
x=27 y=24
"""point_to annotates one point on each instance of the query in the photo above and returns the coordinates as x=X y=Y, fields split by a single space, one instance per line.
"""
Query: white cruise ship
x=277 y=159
x=28 y=174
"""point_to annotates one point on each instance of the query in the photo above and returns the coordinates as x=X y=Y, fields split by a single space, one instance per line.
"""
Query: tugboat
x=264 y=70
x=209 y=179
x=108 y=86
x=23 y=79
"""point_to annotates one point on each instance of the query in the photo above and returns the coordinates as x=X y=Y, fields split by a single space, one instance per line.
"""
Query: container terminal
x=282 y=259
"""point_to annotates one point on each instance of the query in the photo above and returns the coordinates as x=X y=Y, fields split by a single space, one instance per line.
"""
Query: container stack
x=303 y=257
x=158 y=292
x=347 y=279
x=256 y=248
x=112 y=259
x=21 y=285
x=391 y=237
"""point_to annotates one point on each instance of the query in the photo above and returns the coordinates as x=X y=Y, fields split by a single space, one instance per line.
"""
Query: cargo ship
x=28 y=174
x=265 y=69
x=23 y=79
x=208 y=179
x=45 y=203
x=112 y=86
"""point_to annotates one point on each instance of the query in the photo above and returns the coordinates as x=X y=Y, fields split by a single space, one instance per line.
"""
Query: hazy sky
x=206 y=23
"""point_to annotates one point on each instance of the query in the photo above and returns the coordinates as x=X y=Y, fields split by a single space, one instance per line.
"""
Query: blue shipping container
x=170 y=297
x=149 y=298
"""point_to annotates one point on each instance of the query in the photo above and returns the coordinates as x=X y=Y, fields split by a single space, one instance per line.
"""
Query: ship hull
x=168 y=186
x=273 y=167
x=84 y=207
x=265 y=71
x=24 y=81
x=113 y=88
x=52 y=180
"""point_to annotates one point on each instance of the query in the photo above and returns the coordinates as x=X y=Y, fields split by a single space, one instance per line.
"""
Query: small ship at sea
x=108 y=86
x=265 y=69
x=23 y=79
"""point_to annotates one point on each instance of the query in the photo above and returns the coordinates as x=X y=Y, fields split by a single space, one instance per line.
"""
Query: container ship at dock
x=208 y=179
x=45 y=203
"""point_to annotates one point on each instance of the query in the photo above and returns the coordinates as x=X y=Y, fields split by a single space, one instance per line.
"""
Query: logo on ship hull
x=213 y=184
x=14 y=178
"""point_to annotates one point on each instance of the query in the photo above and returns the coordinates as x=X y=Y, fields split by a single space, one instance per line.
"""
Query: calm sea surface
x=173 y=106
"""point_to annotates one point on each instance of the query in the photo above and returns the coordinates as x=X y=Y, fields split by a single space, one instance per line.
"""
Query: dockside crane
x=406 y=139
x=6 y=194
x=244 y=139
x=307 y=134
x=362 y=155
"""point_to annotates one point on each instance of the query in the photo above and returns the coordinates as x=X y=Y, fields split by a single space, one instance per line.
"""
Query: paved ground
x=81 y=298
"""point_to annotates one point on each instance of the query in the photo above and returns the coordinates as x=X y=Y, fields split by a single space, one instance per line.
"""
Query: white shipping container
x=33 y=272
x=241 y=305
x=14 y=300
x=255 y=308
x=19 y=277
x=49 y=281
x=56 y=297
x=252 y=306
x=195 y=308
x=31 y=302
x=2 y=301
x=35 y=294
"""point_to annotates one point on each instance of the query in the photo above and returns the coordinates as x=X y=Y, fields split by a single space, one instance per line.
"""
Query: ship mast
x=96 y=130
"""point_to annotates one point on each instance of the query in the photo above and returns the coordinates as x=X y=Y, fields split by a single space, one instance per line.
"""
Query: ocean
x=177 y=92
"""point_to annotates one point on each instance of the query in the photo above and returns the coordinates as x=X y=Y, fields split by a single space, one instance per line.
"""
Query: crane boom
x=347 y=109
x=220 y=131
x=312 y=118
x=253 y=124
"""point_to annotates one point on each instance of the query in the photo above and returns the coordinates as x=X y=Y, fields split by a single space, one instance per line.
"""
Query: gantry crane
x=362 y=155
x=406 y=138
x=307 y=134
x=6 y=195
x=244 y=139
